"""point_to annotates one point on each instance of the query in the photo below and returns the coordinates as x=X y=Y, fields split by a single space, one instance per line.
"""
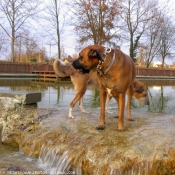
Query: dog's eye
x=80 y=57
x=141 y=90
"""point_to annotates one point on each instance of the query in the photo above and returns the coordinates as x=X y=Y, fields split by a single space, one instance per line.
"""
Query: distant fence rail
x=46 y=68
x=15 y=68
x=155 y=72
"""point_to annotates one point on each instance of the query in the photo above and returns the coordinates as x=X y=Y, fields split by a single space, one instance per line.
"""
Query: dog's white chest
x=109 y=91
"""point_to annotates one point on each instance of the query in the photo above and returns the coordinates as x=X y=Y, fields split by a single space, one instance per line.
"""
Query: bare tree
x=55 y=18
x=94 y=21
x=136 y=14
x=159 y=37
x=27 y=48
x=151 y=43
x=3 y=43
x=30 y=46
x=167 y=36
x=15 y=14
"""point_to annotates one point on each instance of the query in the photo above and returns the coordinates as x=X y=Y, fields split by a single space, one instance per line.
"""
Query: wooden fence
x=155 y=72
x=15 y=68
x=47 y=69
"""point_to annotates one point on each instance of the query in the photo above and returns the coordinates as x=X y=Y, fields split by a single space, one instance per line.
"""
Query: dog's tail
x=61 y=69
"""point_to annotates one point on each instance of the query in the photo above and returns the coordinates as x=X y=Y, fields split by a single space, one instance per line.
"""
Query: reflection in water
x=161 y=99
x=161 y=95
x=60 y=94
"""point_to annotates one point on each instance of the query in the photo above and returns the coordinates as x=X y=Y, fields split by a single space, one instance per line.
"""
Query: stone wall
x=15 y=116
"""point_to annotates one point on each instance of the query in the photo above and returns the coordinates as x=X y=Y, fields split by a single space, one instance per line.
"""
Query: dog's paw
x=100 y=127
x=109 y=112
x=116 y=116
x=119 y=130
x=131 y=119
x=70 y=116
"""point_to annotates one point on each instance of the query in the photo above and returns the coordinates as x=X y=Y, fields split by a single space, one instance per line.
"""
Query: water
x=53 y=163
x=59 y=95
x=54 y=95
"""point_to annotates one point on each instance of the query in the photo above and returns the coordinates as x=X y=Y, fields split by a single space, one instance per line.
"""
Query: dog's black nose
x=81 y=68
x=76 y=64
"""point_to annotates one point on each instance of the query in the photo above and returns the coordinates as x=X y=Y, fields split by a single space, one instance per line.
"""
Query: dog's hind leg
x=121 y=105
x=77 y=97
x=81 y=105
x=107 y=103
x=70 y=113
x=128 y=106
x=117 y=100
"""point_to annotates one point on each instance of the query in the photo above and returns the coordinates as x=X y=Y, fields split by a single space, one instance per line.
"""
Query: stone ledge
x=23 y=97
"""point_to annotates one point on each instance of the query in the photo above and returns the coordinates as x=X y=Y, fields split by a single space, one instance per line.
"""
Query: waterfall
x=52 y=162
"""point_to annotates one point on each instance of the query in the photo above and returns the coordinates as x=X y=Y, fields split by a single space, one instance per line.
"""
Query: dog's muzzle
x=146 y=101
x=80 y=68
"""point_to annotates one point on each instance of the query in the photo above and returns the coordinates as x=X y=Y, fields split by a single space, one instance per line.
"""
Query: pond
x=59 y=95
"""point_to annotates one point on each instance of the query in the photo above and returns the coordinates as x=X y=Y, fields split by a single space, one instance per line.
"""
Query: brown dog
x=80 y=82
x=140 y=93
x=116 y=73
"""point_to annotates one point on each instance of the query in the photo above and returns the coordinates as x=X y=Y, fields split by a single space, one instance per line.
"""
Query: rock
x=142 y=148
x=171 y=152
x=9 y=103
x=15 y=168
x=20 y=97
x=146 y=146
x=16 y=117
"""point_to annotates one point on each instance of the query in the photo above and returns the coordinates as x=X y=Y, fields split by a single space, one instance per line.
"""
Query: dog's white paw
x=82 y=109
x=109 y=112
x=70 y=113
x=70 y=116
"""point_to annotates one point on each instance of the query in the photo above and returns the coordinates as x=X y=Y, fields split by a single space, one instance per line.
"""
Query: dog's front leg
x=103 y=94
x=121 y=106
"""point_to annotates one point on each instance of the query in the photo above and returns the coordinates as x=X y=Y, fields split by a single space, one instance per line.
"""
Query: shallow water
x=59 y=95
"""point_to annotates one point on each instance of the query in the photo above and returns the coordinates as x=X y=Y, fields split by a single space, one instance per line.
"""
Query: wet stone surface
x=146 y=146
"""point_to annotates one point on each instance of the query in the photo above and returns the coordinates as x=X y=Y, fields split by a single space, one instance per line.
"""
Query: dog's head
x=88 y=58
x=140 y=92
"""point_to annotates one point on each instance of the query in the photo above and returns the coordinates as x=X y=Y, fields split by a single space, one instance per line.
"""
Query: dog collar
x=100 y=64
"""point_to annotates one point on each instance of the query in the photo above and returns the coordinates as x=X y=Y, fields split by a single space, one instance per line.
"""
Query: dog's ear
x=137 y=87
x=134 y=84
x=95 y=53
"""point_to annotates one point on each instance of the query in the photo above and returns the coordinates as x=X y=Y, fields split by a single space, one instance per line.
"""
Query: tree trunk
x=12 y=54
x=131 y=47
